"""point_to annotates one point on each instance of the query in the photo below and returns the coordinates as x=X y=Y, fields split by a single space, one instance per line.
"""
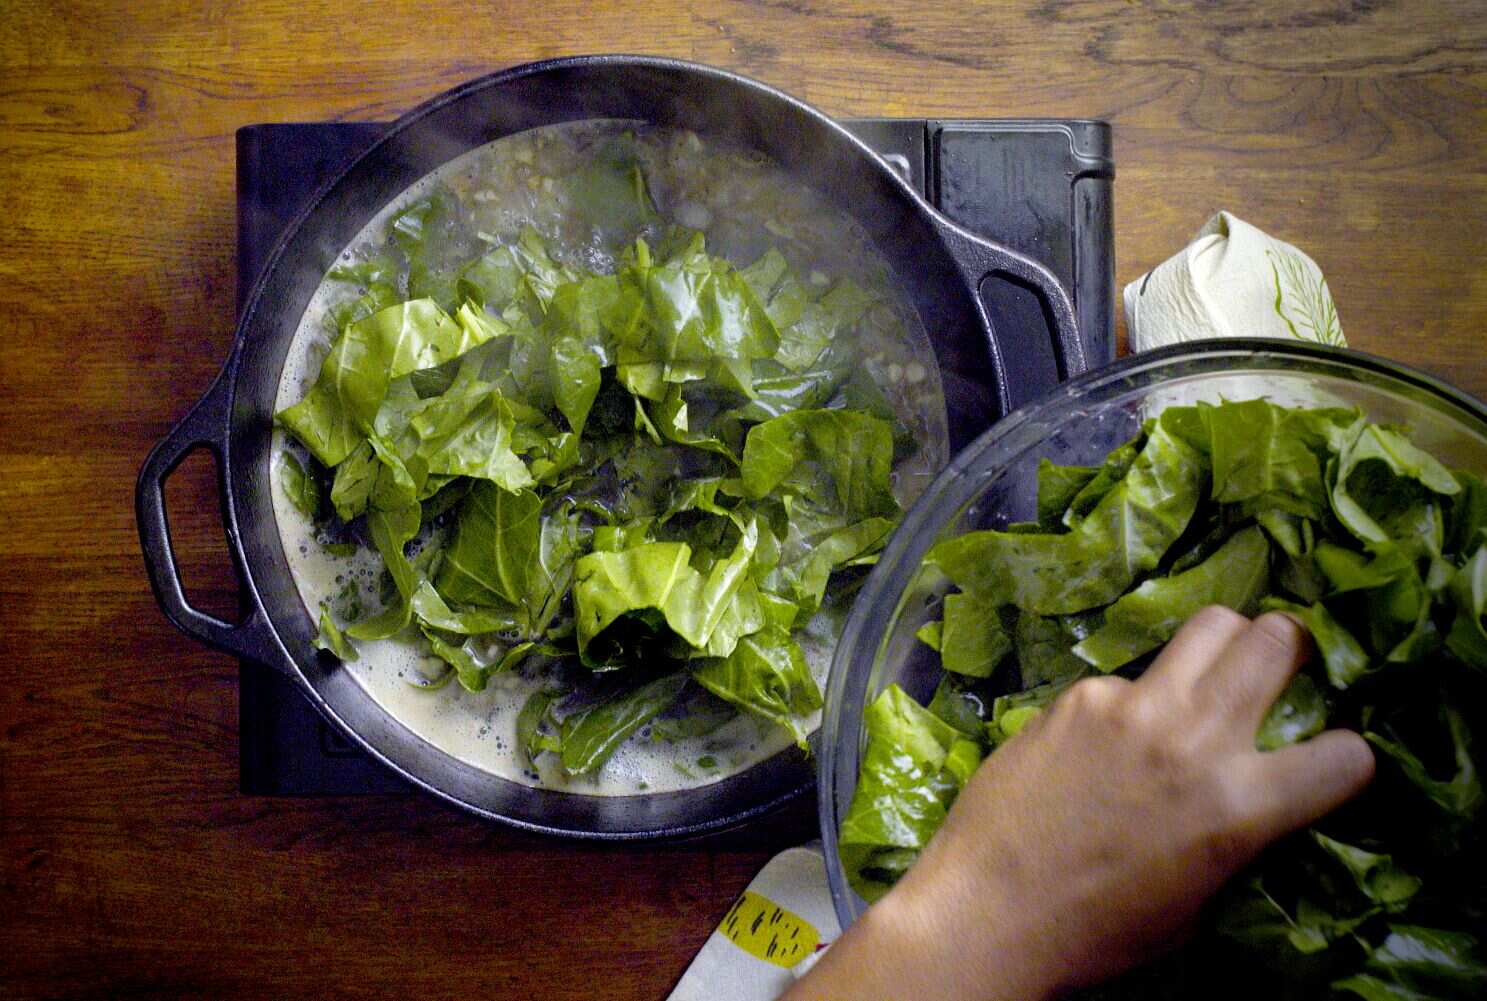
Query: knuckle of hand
x=1093 y=695
x=1217 y=618
x=1279 y=634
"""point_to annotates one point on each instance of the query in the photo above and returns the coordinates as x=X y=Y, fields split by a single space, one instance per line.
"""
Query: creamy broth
x=745 y=205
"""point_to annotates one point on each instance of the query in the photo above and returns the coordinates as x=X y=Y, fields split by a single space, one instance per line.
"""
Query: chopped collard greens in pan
x=641 y=480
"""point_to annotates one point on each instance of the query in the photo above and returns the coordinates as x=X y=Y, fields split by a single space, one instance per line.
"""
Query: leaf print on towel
x=1303 y=301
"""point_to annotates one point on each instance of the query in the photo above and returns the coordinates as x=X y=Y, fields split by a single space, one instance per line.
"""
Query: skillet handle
x=206 y=426
x=1032 y=327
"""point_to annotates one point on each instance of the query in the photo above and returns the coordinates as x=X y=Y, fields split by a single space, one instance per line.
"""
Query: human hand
x=1088 y=842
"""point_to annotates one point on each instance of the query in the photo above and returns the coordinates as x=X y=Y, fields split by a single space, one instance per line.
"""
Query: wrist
x=964 y=942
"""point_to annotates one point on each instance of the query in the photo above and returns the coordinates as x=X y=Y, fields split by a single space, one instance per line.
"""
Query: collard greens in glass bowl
x=1077 y=534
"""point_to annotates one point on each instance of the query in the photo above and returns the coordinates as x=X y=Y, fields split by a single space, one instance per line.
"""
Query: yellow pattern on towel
x=767 y=931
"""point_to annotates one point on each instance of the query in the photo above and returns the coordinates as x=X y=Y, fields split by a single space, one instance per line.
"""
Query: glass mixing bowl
x=994 y=482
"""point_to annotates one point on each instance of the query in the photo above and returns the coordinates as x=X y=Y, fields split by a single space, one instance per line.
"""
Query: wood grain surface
x=130 y=866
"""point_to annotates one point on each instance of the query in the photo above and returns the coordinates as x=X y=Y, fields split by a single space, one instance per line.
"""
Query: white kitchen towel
x=1232 y=281
x=771 y=935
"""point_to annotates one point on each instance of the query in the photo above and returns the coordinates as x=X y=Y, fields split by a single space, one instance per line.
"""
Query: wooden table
x=131 y=864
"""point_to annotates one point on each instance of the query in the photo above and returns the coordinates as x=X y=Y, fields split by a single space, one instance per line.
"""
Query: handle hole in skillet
x=193 y=510
x=1022 y=326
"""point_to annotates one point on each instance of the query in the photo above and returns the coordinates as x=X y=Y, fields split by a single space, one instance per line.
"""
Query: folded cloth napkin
x=770 y=936
x=1232 y=281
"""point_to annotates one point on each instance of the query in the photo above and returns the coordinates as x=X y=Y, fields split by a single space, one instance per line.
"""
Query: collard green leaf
x=1400 y=626
x=816 y=324
x=678 y=320
x=1045 y=650
x=521 y=274
x=430 y=609
x=898 y=804
x=490 y=281
x=355 y=477
x=591 y=736
x=1109 y=473
x=1010 y=713
x=1057 y=488
x=377 y=280
x=508 y=553
x=1265 y=456
x=1348 y=570
x=414 y=595
x=765 y=674
x=696 y=495
x=471 y=675
x=781 y=391
x=658 y=577
x=353 y=380
x=672 y=419
x=1292 y=533
x=535 y=714
x=806 y=580
x=391 y=531
x=331 y=639
x=1468 y=636
x=1372 y=988
x=766 y=274
x=1344 y=656
x=1095 y=562
x=1299 y=712
x=299 y=485
x=579 y=345
x=1381 y=474
x=1377 y=876
x=839 y=456
x=494 y=553
x=1461 y=795
x=972 y=640
x=396 y=486
x=958 y=707
x=697 y=714
x=739 y=615
x=863 y=391
x=469 y=432
x=1466 y=527
x=321 y=420
x=1140 y=621
x=445 y=496
x=1431 y=959
x=728 y=598
x=1294 y=568
x=617 y=538
x=425 y=232
x=1250 y=914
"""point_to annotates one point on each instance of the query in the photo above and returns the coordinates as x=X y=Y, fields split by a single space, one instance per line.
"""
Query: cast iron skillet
x=939 y=266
